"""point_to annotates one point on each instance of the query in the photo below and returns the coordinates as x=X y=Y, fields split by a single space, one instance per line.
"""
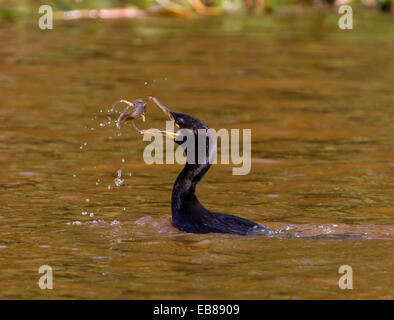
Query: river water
x=319 y=101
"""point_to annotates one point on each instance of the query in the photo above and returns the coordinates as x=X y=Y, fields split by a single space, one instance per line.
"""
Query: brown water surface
x=319 y=101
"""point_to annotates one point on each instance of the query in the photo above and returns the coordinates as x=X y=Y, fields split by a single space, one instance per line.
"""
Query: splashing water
x=117 y=121
x=114 y=116
x=118 y=181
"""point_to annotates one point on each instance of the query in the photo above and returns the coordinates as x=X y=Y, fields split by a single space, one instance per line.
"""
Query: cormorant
x=188 y=214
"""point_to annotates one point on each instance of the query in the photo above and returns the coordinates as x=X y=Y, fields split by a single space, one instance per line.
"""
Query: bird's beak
x=168 y=112
x=162 y=107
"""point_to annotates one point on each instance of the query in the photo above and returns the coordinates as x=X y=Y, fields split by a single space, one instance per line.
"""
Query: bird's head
x=203 y=140
x=191 y=133
x=183 y=122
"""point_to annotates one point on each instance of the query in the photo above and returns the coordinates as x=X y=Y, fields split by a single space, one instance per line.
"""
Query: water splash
x=118 y=180
x=104 y=121
x=117 y=121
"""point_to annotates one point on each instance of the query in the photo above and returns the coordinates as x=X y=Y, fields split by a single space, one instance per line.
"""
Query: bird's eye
x=179 y=121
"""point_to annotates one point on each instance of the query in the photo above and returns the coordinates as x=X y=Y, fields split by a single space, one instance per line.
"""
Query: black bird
x=188 y=214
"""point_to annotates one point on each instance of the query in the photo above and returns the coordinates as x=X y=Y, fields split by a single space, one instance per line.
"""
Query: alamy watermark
x=345 y=281
x=199 y=147
x=45 y=281
x=46 y=20
x=346 y=20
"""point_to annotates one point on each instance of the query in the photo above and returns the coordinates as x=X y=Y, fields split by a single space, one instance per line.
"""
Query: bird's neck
x=184 y=200
x=183 y=192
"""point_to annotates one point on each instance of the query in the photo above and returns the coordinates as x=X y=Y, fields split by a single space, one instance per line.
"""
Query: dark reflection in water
x=319 y=102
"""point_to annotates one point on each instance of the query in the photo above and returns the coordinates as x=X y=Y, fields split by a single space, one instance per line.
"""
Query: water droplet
x=91 y=214
x=87 y=200
x=118 y=182
x=84 y=213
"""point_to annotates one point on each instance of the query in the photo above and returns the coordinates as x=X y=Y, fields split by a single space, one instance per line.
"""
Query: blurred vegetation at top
x=15 y=10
